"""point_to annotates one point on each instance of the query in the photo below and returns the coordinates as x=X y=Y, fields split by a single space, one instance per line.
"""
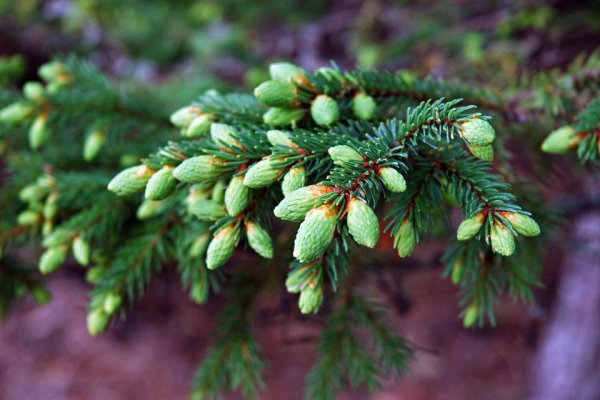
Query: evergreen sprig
x=339 y=152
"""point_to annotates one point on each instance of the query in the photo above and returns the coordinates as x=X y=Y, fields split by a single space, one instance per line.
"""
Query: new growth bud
x=93 y=144
x=161 y=184
x=276 y=93
x=560 y=140
x=130 y=180
x=477 y=132
x=39 y=132
x=295 y=205
x=259 y=239
x=362 y=222
x=199 y=126
x=364 y=106
x=279 y=138
x=392 y=179
x=294 y=179
x=198 y=169
x=315 y=233
x=523 y=224
x=81 y=250
x=52 y=259
x=222 y=246
x=283 y=116
x=16 y=112
x=485 y=153
x=470 y=227
x=284 y=71
x=344 y=154
x=262 y=174
x=184 y=116
x=324 y=110
x=406 y=239
x=502 y=239
x=237 y=196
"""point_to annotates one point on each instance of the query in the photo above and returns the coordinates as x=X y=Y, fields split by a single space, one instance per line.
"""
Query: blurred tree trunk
x=567 y=365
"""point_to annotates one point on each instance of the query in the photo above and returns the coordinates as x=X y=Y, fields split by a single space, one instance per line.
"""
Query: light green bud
x=32 y=193
x=297 y=279
x=16 y=112
x=161 y=184
x=183 y=117
x=200 y=245
x=503 y=241
x=207 y=210
x=198 y=169
x=294 y=179
x=364 y=106
x=362 y=222
x=283 y=116
x=54 y=71
x=470 y=316
x=199 y=126
x=311 y=298
x=51 y=206
x=343 y=154
x=34 y=91
x=149 y=209
x=560 y=140
x=295 y=205
x=279 y=138
x=523 y=224
x=93 y=144
x=259 y=239
x=324 y=110
x=28 y=218
x=262 y=174
x=276 y=93
x=406 y=239
x=237 y=196
x=39 y=132
x=485 y=153
x=97 y=321
x=470 y=227
x=112 y=302
x=130 y=180
x=52 y=259
x=315 y=233
x=218 y=192
x=81 y=251
x=284 y=71
x=477 y=132
x=222 y=246
x=392 y=179
x=224 y=134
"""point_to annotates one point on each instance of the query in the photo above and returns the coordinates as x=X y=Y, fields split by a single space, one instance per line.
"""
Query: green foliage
x=353 y=150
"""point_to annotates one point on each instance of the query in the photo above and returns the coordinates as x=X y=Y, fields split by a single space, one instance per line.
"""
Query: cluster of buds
x=501 y=236
x=99 y=317
x=307 y=281
x=58 y=243
x=35 y=103
x=479 y=135
x=288 y=105
x=41 y=198
x=192 y=121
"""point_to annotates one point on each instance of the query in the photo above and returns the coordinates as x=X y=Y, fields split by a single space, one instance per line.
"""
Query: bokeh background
x=547 y=350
